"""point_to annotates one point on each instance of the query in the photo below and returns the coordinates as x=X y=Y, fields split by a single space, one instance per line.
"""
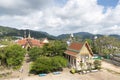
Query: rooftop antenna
x=71 y=37
x=25 y=34
x=29 y=34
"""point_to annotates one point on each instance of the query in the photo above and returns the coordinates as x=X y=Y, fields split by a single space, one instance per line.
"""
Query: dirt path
x=24 y=70
x=107 y=65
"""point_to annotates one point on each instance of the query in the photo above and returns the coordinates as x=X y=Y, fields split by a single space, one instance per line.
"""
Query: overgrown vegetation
x=97 y=64
x=48 y=64
x=48 y=58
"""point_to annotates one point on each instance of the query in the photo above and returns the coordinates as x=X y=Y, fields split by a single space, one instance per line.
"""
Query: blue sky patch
x=108 y=3
x=60 y=2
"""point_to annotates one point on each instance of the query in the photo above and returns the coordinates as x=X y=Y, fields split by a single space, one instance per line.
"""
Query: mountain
x=115 y=35
x=7 y=31
x=79 y=35
x=85 y=35
x=12 y=32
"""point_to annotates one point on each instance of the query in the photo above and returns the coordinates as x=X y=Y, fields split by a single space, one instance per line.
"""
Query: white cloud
x=74 y=16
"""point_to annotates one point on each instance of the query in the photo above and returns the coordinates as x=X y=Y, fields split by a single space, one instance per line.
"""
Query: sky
x=62 y=16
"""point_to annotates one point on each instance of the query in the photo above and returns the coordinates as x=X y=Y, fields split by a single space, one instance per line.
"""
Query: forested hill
x=79 y=35
x=12 y=32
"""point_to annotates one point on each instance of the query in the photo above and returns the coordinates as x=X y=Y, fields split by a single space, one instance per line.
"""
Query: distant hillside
x=79 y=35
x=85 y=35
x=6 y=31
x=115 y=35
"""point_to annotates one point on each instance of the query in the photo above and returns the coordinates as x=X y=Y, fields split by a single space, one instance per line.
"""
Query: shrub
x=97 y=64
x=48 y=64
x=72 y=71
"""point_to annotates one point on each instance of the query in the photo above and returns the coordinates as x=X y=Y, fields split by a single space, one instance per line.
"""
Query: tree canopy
x=12 y=56
x=54 y=48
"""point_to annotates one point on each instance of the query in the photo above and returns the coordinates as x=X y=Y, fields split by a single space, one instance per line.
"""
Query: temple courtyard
x=108 y=72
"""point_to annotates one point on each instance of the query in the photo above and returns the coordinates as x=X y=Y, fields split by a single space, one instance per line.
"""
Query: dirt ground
x=110 y=66
x=66 y=75
x=109 y=72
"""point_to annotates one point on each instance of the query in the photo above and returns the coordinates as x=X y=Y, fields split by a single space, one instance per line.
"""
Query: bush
x=48 y=64
x=97 y=64
x=72 y=71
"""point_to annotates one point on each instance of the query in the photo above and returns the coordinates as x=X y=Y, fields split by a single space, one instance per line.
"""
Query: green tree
x=54 y=48
x=14 y=56
x=35 y=52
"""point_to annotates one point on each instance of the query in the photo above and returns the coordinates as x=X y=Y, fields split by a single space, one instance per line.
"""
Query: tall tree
x=14 y=56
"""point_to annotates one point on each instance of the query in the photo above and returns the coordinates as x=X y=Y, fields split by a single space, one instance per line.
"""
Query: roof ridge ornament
x=29 y=36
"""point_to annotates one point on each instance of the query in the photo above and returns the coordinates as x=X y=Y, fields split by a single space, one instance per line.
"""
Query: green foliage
x=14 y=55
x=59 y=61
x=90 y=42
x=106 y=45
x=41 y=65
x=48 y=64
x=35 y=52
x=2 y=57
x=97 y=64
x=54 y=48
x=72 y=71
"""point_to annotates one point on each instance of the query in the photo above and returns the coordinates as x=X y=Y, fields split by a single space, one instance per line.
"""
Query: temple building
x=28 y=42
x=77 y=53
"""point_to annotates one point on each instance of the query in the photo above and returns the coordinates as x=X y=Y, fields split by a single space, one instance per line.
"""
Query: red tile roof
x=22 y=42
x=31 y=41
x=75 y=46
x=70 y=52
x=35 y=42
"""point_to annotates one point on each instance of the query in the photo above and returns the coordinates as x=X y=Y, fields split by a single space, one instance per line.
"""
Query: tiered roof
x=76 y=47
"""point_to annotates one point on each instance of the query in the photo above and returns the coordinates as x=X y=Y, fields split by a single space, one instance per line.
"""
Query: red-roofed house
x=78 y=52
x=29 y=42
